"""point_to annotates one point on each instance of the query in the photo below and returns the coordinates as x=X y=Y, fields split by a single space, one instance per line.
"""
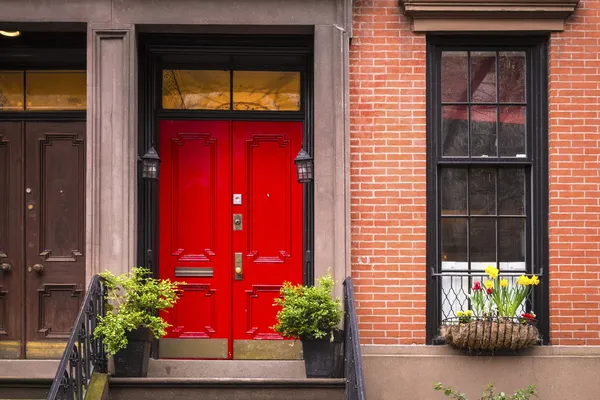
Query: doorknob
x=38 y=268
x=6 y=267
x=238 y=266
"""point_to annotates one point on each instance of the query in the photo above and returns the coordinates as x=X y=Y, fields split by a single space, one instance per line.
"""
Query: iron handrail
x=83 y=354
x=353 y=371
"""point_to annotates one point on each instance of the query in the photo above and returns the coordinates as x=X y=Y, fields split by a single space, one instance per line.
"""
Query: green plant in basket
x=308 y=312
x=134 y=299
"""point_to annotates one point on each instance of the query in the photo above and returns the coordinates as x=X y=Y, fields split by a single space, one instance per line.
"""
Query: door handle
x=5 y=267
x=39 y=268
x=239 y=272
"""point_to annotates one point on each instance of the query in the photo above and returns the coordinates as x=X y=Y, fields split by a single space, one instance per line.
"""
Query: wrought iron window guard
x=355 y=387
x=83 y=354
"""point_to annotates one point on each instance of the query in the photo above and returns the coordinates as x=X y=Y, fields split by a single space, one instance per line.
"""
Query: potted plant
x=493 y=323
x=311 y=314
x=132 y=319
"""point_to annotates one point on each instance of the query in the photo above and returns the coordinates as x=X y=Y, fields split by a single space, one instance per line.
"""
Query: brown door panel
x=54 y=229
x=11 y=239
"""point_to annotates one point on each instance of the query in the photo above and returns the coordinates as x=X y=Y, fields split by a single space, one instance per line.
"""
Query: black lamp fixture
x=304 y=166
x=150 y=164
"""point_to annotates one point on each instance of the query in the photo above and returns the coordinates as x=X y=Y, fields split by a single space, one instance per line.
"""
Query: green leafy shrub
x=134 y=300
x=308 y=312
x=488 y=394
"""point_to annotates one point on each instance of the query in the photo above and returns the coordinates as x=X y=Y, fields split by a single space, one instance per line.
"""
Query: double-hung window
x=487 y=169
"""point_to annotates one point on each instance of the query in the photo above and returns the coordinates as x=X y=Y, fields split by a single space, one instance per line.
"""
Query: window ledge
x=488 y=15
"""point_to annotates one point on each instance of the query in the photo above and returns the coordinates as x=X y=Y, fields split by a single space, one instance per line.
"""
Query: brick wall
x=575 y=179
x=387 y=141
x=387 y=144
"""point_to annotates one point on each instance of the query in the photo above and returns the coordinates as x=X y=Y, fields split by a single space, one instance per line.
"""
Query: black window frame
x=536 y=48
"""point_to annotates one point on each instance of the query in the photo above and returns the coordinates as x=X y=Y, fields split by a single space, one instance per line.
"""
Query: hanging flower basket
x=490 y=333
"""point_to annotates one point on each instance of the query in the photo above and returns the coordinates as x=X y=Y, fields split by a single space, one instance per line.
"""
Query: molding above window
x=488 y=15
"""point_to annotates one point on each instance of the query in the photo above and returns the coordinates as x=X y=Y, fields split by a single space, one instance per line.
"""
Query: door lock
x=238 y=267
x=237 y=222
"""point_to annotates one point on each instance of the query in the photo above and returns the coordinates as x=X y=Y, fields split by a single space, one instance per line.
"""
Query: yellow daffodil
x=523 y=281
x=489 y=284
x=468 y=313
x=492 y=271
x=504 y=283
x=534 y=280
x=460 y=313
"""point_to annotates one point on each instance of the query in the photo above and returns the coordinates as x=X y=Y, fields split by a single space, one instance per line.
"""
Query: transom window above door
x=230 y=90
x=42 y=90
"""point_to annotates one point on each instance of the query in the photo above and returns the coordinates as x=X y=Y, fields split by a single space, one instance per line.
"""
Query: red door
x=231 y=228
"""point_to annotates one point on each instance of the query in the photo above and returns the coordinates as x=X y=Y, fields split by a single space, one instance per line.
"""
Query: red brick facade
x=388 y=175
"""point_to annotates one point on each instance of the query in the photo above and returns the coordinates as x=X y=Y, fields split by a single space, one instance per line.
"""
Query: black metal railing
x=83 y=355
x=353 y=371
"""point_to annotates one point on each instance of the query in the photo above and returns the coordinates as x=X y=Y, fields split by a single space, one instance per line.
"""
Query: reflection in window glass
x=196 y=90
x=55 y=90
x=11 y=91
x=266 y=91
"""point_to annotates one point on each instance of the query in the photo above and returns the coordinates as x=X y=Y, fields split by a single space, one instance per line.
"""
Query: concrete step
x=26 y=379
x=271 y=369
x=225 y=389
x=25 y=388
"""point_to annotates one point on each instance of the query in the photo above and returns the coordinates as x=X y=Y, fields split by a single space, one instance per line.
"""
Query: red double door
x=231 y=228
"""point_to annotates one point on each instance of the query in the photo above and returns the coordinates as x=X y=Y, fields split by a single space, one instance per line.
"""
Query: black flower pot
x=319 y=357
x=132 y=361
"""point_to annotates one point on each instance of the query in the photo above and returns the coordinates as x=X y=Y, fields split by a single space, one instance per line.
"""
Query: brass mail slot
x=204 y=272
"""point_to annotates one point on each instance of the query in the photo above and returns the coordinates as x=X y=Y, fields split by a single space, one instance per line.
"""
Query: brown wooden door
x=54 y=233
x=11 y=240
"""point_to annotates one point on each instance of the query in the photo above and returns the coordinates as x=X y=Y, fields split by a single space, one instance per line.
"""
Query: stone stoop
x=225 y=389
x=226 y=379
x=26 y=379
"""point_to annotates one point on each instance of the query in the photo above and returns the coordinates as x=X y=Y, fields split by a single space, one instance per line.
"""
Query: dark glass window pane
x=12 y=91
x=483 y=131
x=482 y=191
x=511 y=132
x=266 y=90
x=56 y=90
x=512 y=76
x=511 y=191
x=454 y=191
x=196 y=90
x=511 y=240
x=455 y=131
x=483 y=77
x=482 y=235
x=454 y=76
x=454 y=240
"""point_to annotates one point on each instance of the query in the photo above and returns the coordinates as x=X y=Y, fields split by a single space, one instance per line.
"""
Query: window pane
x=512 y=76
x=511 y=132
x=511 y=191
x=266 y=91
x=511 y=240
x=482 y=235
x=455 y=131
x=483 y=77
x=56 y=90
x=454 y=191
x=454 y=242
x=454 y=76
x=196 y=90
x=483 y=131
x=11 y=91
x=482 y=191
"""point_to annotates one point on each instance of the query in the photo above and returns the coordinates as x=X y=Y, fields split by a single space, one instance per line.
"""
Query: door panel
x=11 y=239
x=207 y=230
x=195 y=238
x=55 y=236
x=271 y=240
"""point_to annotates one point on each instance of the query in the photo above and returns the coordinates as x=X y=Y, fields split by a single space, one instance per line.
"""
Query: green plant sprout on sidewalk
x=488 y=394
